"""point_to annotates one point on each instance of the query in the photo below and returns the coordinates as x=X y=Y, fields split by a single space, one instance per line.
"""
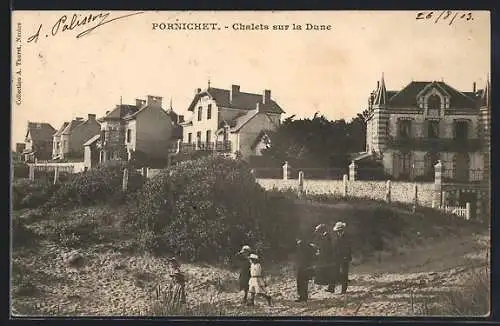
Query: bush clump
x=31 y=193
x=95 y=186
x=203 y=210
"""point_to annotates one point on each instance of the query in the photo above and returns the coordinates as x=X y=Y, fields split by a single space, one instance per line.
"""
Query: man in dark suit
x=304 y=260
x=342 y=256
x=244 y=266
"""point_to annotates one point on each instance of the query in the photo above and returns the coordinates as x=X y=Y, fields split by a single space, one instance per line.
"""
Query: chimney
x=258 y=107
x=378 y=84
x=181 y=119
x=91 y=116
x=154 y=100
x=139 y=103
x=474 y=87
x=197 y=91
x=266 y=97
x=235 y=89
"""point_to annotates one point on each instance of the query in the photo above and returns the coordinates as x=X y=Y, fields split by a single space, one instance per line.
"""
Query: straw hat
x=254 y=256
x=339 y=226
x=245 y=248
x=319 y=227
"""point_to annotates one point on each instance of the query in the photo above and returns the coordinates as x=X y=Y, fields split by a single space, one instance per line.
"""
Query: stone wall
x=400 y=191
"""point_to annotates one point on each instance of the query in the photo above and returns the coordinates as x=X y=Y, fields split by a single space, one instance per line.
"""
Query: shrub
x=20 y=170
x=205 y=209
x=21 y=235
x=96 y=186
x=31 y=194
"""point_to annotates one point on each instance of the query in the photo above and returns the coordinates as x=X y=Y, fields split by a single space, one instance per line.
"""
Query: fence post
x=352 y=171
x=125 y=180
x=444 y=198
x=467 y=211
x=56 y=174
x=145 y=172
x=252 y=172
x=286 y=170
x=301 y=183
x=344 y=179
x=32 y=172
x=415 y=198
x=388 y=191
x=438 y=183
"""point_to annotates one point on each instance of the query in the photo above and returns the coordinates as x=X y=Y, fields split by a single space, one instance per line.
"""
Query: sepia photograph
x=244 y=163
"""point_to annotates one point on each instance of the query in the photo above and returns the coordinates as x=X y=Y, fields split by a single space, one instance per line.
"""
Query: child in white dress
x=256 y=285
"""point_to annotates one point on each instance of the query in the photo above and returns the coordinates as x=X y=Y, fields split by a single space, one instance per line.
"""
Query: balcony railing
x=443 y=145
x=220 y=146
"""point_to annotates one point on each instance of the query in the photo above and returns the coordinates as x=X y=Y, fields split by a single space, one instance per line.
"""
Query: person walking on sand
x=256 y=285
x=304 y=260
x=325 y=265
x=244 y=266
x=179 y=280
x=342 y=255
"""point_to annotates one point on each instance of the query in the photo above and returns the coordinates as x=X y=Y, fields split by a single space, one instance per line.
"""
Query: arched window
x=433 y=105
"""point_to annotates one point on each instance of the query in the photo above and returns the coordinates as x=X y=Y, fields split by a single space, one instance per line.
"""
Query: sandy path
x=114 y=284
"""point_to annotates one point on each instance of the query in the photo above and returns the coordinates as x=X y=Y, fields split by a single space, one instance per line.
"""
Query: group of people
x=326 y=260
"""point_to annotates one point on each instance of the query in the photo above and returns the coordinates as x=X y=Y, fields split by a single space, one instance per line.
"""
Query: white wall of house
x=131 y=135
x=204 y=124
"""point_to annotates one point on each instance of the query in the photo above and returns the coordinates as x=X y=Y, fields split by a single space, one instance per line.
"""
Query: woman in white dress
x=256 y=285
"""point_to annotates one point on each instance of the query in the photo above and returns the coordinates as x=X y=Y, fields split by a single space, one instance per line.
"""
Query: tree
x=317 y=140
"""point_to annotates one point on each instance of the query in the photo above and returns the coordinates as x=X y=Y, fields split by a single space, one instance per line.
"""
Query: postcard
x=244 y=163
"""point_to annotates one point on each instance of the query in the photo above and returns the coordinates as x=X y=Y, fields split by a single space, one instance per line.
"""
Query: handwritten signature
x=444 y=15
x=64 y=23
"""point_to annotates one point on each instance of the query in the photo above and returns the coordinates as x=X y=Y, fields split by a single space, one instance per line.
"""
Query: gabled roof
x=243 y=120
x=132 y=115
x=92 y=140
x=119 y=112
x=407 y=97
x=59 y=132
x=242 y=100
x=40 y=131
x=72 y=125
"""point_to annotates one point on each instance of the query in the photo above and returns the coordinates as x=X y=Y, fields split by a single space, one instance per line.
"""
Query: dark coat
x=324 y=268
x=342 y=249
x=306 y=253
x=244 y=268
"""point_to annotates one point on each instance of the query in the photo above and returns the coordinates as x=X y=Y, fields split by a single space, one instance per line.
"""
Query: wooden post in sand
x=388 y=191
x=125 y=180
x=56 y=174
x=415 y=198
x=301 y=184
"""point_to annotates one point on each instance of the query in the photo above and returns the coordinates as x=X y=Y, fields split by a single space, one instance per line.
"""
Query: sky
x=327 y=71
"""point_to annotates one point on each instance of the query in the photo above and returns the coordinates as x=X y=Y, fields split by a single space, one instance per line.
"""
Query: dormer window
x=433 y=106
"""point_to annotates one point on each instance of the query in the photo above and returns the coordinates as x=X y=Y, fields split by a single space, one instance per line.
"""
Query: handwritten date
x=75 y=22
x=444 y=15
